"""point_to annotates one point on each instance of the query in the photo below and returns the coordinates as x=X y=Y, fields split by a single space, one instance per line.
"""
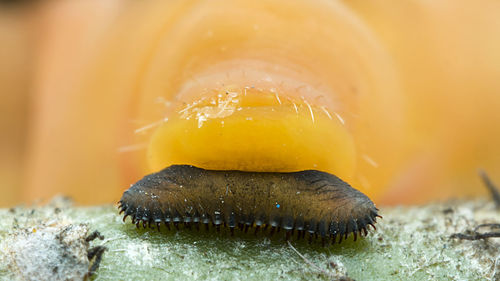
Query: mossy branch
x=410 y=243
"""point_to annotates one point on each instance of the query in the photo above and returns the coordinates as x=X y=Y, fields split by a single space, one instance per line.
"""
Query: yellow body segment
x=251 y=130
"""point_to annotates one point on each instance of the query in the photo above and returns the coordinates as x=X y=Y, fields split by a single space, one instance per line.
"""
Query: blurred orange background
x=77 y=79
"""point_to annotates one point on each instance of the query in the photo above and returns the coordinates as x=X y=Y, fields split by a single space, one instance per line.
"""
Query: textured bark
x=410 y=243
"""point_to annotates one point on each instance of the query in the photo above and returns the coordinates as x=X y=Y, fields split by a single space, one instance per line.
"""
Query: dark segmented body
x=310 y=201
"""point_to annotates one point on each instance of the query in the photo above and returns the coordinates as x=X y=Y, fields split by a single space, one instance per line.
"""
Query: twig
x=491 y=187
x=97 y=253
x=490 y=225
x=475 y=235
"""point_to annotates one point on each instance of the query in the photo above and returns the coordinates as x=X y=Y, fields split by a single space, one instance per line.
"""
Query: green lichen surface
x=411 y=243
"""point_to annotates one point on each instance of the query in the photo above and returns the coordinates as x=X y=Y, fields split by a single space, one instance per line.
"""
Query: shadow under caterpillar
x=311 y=201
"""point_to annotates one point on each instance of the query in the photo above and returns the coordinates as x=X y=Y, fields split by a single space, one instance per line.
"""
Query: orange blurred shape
x=411 y=86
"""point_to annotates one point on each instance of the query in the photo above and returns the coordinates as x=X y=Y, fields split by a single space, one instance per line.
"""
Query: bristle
x=177 y=220
x=250 y=219
x=372 y=225
x=260 y=221
x=217 y=219
x=257 y=228
x=140 y=213
x=241 y=222
x=352 y=227
x=231 y=220
x=287 y=223
x=271 y=233
x=333 y=238
x=274 y=222
x=299 y=224
x=322 y=228
x=311 y=229
x=341 y=231
x=264 y=229
x=314 y=230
